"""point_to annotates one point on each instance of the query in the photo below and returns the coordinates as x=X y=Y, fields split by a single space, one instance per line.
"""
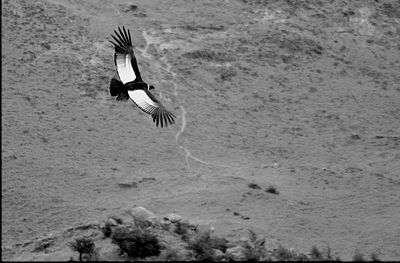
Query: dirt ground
x=301 y=95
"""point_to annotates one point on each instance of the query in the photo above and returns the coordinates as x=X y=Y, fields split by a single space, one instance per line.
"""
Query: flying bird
x=131 y=84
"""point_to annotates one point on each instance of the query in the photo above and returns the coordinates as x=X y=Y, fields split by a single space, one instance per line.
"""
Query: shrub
x=82 y=246
x=136 y=242
x=284 y=254
x=316 y=254
x=272 y=190
x=107 y=230
x=172 y=254
x=254 y=247
x=358 y=256
x=204 y=245
x=374 y=257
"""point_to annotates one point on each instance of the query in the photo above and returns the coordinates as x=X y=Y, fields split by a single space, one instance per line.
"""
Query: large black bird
x=131 y=84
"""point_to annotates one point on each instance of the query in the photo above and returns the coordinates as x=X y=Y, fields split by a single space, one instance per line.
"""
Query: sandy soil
x=302 y=95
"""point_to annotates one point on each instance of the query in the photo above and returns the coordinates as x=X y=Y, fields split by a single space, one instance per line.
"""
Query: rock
x=236 y=253
x=42 y=244
x=143 y=216
x=173 y=218
x=218 y=255
x=276 y=165
x=141 y=213
x=130 y=7
x=134 y=9
x=254 y=186
x=183 y=227
x=91 y=225
x=128 y=184
x=111 y=222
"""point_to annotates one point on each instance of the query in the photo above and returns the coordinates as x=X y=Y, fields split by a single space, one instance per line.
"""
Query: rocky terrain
x=302 y=96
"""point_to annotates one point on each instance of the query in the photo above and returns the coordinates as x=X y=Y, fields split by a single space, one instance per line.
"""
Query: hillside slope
x=302 y=95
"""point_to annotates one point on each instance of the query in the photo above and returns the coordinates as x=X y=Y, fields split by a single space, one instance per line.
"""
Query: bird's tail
x=117 y=88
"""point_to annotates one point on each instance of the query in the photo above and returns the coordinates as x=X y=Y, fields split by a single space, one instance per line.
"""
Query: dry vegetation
x=143 y=241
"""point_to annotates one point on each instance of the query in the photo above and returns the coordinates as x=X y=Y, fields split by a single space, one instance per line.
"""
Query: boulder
x=42 y=244
x=218 y=255
x=237 y=253
x=173 y=218
x=143 y=216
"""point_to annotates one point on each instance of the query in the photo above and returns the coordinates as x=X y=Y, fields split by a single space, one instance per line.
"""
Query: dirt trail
x=150 y=41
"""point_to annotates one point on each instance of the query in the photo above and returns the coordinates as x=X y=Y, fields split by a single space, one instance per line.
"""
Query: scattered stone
x=276 y=165
x=348 y=13
x=140 y=14
x=272 y=190
x=241 y=216
x=131 y=184
x=46 y=45
x=355 y=136
x=254 y=186
x=134 y=9
x=237 y=253
x=131 y=7
x=42 y=244
x=273 y=165
x=147 y=179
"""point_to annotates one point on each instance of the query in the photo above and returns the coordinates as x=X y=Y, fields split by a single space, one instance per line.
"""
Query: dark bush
x=284 y=254
x=358 y=256
x=82 y=246
x=203 y=244
x=106 y=230
x=136 y=242
x=272 y=190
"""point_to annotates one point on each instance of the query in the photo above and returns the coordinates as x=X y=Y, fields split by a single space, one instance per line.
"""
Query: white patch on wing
x=124 y=68
x=143 y=101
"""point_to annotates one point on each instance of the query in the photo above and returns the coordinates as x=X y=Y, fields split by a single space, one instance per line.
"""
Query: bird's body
x=131 y=84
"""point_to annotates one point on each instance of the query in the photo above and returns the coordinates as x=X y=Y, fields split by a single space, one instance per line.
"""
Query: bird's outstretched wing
x=124 y=57
x=149 y=104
